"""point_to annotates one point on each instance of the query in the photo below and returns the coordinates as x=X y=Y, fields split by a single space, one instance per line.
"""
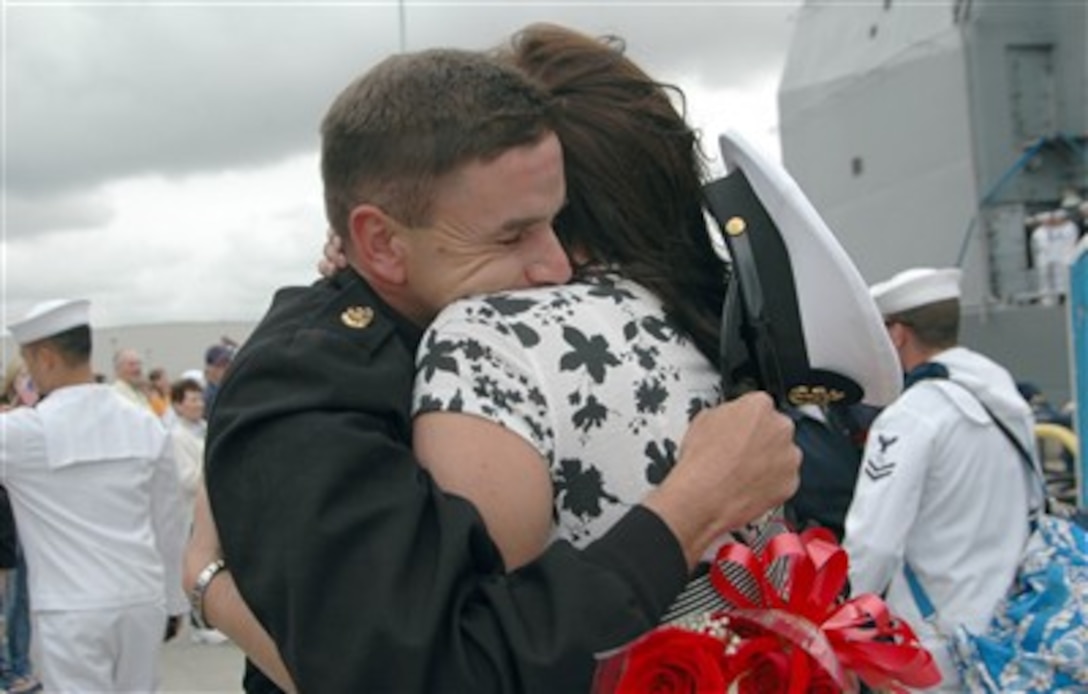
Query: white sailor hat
x=916 y=287
x=51 y=318
x=798 y=321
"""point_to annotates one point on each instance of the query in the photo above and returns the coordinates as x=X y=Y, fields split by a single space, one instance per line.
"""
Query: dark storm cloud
x=100 y=92
x=163 y=154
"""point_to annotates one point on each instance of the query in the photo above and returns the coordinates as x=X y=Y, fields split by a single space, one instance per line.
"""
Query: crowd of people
x=1053 y=237
x=104 y=472
x=493 y=440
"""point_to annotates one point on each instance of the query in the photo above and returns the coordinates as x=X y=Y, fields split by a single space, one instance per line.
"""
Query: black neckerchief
x=925 y=371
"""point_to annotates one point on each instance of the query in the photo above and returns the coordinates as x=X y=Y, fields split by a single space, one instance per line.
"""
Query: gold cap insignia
x=357 y=317
x=735 y=226
x=814 y=395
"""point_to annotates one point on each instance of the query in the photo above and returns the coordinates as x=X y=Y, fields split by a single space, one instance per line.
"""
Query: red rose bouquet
x=786 y=628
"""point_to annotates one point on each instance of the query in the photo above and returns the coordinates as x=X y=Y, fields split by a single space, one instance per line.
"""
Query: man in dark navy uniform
x=442 y=177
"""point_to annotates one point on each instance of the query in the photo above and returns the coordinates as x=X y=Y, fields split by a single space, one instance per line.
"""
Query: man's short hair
x=73 y=345
x=936 y=325
x=393 y=133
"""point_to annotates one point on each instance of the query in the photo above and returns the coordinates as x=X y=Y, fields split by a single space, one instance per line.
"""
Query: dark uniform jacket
x=831 y=457
x=369 y=578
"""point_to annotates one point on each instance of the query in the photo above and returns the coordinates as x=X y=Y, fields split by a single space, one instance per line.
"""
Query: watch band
x=196 y=595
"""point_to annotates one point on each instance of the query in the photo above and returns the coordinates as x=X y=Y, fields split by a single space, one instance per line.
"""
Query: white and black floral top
x=592 y=374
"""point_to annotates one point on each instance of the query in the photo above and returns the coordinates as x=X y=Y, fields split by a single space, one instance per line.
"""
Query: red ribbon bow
x=798 y=628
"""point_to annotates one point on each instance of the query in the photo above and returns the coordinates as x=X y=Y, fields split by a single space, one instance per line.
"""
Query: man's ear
x=44 y=354
x=378 y=250
x=899 y=334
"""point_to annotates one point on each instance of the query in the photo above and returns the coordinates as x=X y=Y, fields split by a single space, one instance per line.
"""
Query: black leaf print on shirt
x=658 y=328
x=509 y=306
x=429 y=403
x=592 y=414
x=436 y=357
x=607 y=288
x=526 y=335
x=484 y=386
x=695 y=406
x=473 y=350
x=491 y=390
x=457 y=403
x=536 y=396
x=630 y=330
x=582 y=490
x=661 y=461
x=482 y=314
x=592 y=353
x=505 y=398
x=646 y=357
x=650 y=396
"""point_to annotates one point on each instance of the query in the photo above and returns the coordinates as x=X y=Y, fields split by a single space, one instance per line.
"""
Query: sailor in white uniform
x=96 y=498
x=1052 y=245
x=941 y=488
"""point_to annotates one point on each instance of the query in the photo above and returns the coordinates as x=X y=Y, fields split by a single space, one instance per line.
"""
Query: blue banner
x=1078 y=351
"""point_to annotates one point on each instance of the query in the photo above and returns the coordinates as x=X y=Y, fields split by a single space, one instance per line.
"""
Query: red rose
x=767 y=672
x=823 y=685
x=673 y=661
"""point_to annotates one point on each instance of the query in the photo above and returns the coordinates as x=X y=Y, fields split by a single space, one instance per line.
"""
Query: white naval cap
x=51 y=318
x=194 y=375
x=826 y=333
x=916 y=287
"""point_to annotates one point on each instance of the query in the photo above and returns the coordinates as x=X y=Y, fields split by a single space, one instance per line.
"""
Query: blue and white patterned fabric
x=1038 y=639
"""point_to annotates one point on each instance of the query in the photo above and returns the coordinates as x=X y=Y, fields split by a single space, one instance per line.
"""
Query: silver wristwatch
x=196 y=595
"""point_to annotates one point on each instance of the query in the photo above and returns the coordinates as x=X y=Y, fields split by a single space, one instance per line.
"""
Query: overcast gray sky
x=160 y=158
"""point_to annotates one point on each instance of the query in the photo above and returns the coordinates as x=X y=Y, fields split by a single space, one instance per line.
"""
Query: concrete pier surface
x=187 y=667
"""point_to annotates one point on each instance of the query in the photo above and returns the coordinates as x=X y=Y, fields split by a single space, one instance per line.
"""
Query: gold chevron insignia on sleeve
x=357 y=317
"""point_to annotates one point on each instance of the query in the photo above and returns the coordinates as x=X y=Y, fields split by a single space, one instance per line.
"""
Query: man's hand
x=737 y=461
x=173 y=625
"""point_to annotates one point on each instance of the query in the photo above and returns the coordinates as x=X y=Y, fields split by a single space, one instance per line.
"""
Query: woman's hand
x=223 y=605
x=333 y=258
